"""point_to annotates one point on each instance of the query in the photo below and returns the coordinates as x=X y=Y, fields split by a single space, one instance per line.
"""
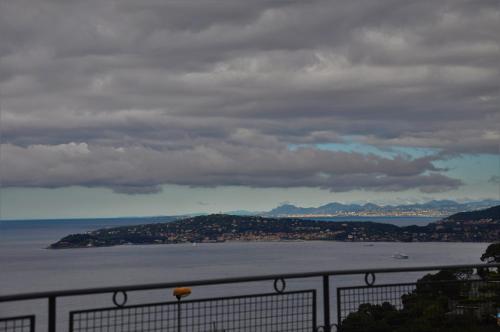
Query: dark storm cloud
x=207 y=93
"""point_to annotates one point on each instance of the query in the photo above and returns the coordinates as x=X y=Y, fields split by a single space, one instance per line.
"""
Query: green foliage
x=492 y=253
x=372 y=318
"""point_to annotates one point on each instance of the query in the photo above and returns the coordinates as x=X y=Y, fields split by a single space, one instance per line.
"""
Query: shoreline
x=195 y=244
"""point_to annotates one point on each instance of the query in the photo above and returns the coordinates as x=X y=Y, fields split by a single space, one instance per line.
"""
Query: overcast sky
x=126 y=107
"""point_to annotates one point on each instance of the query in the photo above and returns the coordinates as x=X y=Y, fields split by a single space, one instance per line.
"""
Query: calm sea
x=26 y=266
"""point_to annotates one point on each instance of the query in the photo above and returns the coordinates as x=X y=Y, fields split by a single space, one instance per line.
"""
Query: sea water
x=26 y=266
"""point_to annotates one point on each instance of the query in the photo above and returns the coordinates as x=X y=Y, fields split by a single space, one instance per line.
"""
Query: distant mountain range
x=435 y=208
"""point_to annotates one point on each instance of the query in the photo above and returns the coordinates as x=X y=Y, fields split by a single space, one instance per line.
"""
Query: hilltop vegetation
x=492 y=213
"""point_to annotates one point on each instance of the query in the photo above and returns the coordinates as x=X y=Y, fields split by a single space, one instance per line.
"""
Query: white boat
x=400 y=255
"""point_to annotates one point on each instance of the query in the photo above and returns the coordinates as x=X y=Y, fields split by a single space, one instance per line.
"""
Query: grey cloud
x=142 y=170
x=136 y=189
x=243 y=81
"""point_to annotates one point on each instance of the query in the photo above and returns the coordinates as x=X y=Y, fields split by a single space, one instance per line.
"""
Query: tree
x=428 y=308
x=492 y=253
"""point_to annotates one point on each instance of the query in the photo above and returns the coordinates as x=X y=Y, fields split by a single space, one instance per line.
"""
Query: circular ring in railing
x=124 y=300
x=282 y=283
x=370 y=278
x=320 y=329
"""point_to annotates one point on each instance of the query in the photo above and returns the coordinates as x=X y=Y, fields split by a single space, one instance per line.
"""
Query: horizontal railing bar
x=438 y=282
x=17 y=318
x=209 y=282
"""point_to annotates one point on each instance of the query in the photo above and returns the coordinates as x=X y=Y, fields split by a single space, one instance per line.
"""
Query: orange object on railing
x=181 y=292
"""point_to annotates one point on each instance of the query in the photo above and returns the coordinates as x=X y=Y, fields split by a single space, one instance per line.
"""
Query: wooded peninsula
x=476 y=226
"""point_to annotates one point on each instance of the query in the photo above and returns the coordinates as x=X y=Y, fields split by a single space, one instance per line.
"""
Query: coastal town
x=221 y=228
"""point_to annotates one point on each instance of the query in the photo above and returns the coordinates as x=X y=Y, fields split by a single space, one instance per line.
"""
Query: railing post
x=339 y=312
x=52 y=314
x=32 y=324
x=326 y=302
x=179 y=325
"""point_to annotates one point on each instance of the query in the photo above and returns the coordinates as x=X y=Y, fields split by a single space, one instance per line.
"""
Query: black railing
x=460 y=293
x=279 y=310
x=18 y=324
x=287 y=311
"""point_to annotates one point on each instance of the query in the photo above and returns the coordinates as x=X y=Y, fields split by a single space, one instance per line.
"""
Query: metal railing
x=18 y=324
x=280 y=310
